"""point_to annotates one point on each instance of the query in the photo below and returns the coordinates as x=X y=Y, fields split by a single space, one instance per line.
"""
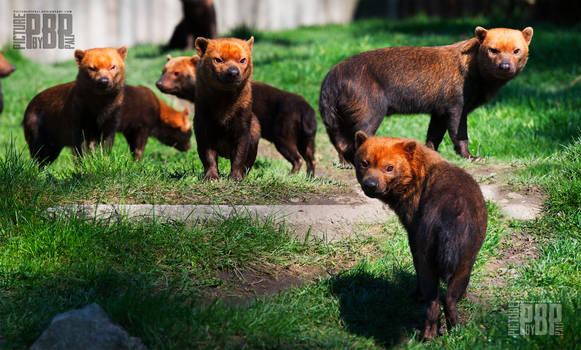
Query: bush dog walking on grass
x=5 y=70
x=80 y=113
x=286 y=119
x=447 y=82
x=144 y=115
x=440 y=206
x=224 y=123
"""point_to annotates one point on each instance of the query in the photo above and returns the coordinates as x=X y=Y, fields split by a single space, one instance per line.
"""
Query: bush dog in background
x=5 y=70
x=224 y=123
x=440 y=206
x=199 y=20
x=286 y=119
x=81 y=113
x=144 y=115
x=447 y=82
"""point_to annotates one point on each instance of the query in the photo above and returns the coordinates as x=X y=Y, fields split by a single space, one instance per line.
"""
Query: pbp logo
x=42 y=29
x=535 y=319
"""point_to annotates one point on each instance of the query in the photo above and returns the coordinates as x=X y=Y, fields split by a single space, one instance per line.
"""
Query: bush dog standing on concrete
x=5 y=70
x=440 y=206
x=144 y=115
x=224 y=123
x=286 y=119
x=81 y=113
x=447 y=82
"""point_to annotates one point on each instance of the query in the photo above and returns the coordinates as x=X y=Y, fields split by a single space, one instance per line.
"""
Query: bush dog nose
x=159 y=84
x=504 y=66
x=233 y=72
x=103 y=81
x=370 y=184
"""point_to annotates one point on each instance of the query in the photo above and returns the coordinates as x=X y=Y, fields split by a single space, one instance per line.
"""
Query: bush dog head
x=226 y=64
x=178 y=77
x=102 y=70
x=177 y=128
x=384 y=165
x=6 y=68
x=503 y=53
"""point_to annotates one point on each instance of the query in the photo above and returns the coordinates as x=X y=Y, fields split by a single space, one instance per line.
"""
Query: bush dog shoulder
x=5 y=70
x=440 y=206
x=286 y=119
x=224 y=123
x=81 y=113
x=144 y=115
x=447 y=82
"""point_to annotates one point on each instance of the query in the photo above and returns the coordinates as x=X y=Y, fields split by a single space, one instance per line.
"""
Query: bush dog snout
x=441 y=208
x=224 y=123
x=447 y=82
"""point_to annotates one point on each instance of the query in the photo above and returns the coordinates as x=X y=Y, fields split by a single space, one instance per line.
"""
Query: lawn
x=186 y=286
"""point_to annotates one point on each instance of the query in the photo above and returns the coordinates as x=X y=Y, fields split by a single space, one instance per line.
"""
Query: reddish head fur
x=5 y=67
x=179 y=77
x=503 y=52
x=102 y=70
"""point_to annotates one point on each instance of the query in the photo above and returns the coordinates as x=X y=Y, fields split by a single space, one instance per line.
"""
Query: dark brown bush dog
x=440 y=206
x=447 y=82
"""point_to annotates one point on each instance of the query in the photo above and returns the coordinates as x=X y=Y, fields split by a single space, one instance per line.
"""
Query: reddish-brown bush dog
x=440 y=206
x=83 y=112
x=5 y=70
x=286 y=119
x=224 y=123
x=447 y=82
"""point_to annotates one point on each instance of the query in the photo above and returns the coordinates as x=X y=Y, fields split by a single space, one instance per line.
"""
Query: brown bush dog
x=440 y=206
x=224 y=124
x=78 y=114
x=144 y=115
x=447 y=82
x=47 y=128
x=5 y=70
x=199 y=20
x=286 y=119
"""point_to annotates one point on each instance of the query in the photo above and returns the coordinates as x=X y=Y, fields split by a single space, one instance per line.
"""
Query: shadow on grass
x=378 y=306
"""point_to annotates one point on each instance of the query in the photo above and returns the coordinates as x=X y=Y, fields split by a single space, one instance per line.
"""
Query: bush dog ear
x=79 y=55
x=168 y=57
x=122 y=52
x=360 y=138
x=201 y=45
x=195 y=59
x=480 y=33
x=528 y=34
x=250 y=43
x=409 y=149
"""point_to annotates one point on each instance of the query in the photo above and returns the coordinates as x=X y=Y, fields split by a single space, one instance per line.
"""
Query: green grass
x=160 y=280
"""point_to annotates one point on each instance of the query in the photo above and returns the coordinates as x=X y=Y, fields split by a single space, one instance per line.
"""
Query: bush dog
x=5 y=70
x=144 y=115
x=447 y=82
x=47 y=129
x=199 y=20
x=224 y=123
x=286 y=119
x=78 y=114
x=440 y=206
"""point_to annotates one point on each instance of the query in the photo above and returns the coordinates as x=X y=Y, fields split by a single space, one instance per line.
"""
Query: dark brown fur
x=79 y=114
x=286 y=119
x=199 y=21
x=5 y=70
x=440 y=206
x=144 y=115
x=224 y=123
x=447 y=82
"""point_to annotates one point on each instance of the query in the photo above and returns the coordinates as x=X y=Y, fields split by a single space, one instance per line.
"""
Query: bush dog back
x=440 y=206
x=224 y=123
x=447 y=82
